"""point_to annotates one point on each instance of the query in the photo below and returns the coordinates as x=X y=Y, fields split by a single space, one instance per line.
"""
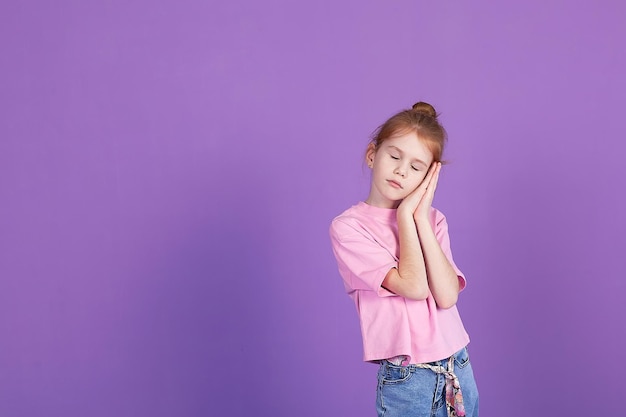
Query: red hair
x=420 y=119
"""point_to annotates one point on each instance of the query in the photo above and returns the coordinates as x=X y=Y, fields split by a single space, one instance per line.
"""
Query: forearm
x=443 y=280
x=410 y=280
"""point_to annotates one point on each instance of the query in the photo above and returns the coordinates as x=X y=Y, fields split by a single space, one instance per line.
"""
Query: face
x=398 y=167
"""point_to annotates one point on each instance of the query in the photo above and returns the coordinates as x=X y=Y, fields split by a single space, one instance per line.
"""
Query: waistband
x=445 y=367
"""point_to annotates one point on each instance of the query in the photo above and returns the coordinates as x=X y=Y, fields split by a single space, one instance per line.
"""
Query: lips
x=394 y=184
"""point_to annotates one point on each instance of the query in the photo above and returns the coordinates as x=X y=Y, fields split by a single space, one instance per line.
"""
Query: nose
x=400 y=171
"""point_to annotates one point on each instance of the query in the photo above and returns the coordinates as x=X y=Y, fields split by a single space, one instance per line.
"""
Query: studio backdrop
x=169 y=171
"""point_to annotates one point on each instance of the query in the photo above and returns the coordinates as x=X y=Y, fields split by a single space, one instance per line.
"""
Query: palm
x=420 y=201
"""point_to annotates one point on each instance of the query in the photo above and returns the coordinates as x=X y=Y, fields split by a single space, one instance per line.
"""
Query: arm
x=362 y=261
x=442 y=278
x=411 y=279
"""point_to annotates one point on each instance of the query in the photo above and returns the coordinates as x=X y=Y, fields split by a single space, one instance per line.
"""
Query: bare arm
x=410 y=279
x=442 y=278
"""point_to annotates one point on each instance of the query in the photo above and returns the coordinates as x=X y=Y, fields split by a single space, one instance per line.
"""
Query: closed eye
x=415 y=168
x=394 y=157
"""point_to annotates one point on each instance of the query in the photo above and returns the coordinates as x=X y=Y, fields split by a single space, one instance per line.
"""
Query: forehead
x=410 y=145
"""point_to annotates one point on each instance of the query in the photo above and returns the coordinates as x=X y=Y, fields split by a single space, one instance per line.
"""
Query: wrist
x=421 y=221
x=404 y=214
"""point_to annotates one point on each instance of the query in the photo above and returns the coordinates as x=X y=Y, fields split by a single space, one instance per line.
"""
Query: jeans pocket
x=392 y=374
x=461 y=358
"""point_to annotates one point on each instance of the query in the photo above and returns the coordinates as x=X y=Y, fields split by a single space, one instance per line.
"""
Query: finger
x=429 y=175
x=432 y=184
x=420 y=193
x=435 y=178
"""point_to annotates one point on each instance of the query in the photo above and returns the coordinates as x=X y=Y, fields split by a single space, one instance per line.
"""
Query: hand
x=423 y=208
x=418 y=202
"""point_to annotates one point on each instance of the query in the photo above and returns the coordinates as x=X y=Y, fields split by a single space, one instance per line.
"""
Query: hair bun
x=425 y=108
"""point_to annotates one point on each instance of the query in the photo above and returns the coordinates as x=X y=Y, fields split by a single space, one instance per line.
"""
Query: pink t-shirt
x=365 y=242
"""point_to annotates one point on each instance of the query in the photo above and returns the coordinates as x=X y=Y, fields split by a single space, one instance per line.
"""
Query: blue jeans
x=405 y=391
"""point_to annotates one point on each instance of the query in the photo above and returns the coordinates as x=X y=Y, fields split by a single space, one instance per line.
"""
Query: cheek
x=419 y=178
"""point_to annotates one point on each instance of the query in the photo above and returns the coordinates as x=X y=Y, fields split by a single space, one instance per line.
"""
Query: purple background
x=168 y=172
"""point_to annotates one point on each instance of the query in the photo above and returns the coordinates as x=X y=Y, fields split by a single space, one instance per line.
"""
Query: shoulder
x=354 y=223
x=345 y=224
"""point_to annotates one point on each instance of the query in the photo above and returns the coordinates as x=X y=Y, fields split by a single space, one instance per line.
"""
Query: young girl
x=393 y=253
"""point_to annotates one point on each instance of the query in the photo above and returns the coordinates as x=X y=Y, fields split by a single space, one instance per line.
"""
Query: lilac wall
x=168 y=171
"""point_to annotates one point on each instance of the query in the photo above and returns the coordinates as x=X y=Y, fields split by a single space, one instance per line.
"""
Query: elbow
x=417 y=294
x=447 y=302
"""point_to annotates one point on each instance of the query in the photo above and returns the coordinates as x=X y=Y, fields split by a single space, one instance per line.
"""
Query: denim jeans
x=409 y=391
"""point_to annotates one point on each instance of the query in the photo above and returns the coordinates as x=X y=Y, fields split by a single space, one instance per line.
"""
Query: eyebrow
x=414 y=159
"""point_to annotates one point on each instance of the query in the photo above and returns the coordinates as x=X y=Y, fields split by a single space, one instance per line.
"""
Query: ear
x=370 y=154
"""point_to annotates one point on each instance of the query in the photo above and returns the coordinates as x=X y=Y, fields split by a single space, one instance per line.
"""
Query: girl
x=393 y=253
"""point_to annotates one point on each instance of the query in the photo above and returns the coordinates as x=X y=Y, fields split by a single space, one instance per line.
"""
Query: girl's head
x=422 y=120
x=401 y=152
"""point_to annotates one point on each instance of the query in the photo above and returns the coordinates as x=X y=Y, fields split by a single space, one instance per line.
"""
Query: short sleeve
x=441 y=232
x=363 y=263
